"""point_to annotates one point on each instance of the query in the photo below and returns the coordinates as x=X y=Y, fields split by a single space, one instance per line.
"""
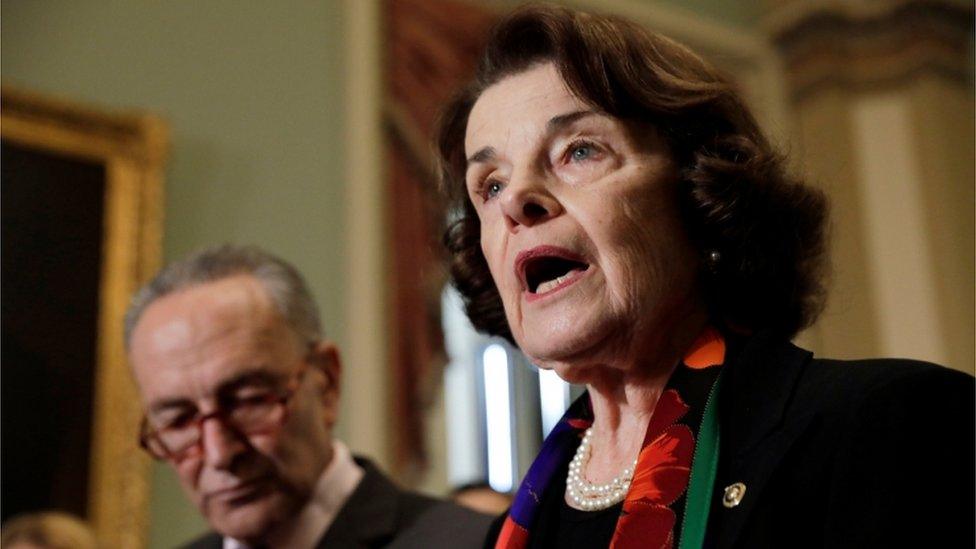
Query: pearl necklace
x=594 y=497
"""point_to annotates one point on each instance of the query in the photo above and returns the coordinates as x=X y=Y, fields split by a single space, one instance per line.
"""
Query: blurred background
x=134 y=133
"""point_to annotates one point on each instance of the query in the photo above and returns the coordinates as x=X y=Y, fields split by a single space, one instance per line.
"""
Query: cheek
x=647 y=244
x=494 y=255
x=189 y=473
x=302 y=439
x=284 y=454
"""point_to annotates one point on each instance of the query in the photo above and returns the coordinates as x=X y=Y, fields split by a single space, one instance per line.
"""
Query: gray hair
x=281 y=280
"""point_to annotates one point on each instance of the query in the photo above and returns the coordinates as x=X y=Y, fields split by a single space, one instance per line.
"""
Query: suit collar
x=756 y=431
x=369 y=515
x=763 y=376
x=367 y=519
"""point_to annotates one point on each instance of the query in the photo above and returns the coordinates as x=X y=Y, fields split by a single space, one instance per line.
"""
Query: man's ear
x=324 y=358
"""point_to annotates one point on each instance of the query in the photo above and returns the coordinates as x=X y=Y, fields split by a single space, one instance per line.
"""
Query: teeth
x=550 y=284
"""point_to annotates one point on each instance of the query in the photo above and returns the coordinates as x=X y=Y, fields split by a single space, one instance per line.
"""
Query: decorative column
x=431 y=48
x=882 y=94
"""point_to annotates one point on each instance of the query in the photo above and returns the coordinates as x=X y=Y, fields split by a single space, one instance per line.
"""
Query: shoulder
x=867 y=453
x=915 y=411
x=838 y=409
x=422 y=521
x=899 y=404
x=903 y=450
x=805 y=383
x=900 y=386
x=879 y=372
x=444 y=524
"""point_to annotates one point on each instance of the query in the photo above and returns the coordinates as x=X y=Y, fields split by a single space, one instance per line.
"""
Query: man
x=241 y=392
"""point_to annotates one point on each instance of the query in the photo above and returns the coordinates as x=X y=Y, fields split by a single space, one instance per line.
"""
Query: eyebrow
x=559 y=122
x=484 y=154
x=256 y=375
x=554 y=124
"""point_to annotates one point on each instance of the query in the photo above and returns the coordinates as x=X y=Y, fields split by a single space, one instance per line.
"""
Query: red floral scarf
x=652 y=506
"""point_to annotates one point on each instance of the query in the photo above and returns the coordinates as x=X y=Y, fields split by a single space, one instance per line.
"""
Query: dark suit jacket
x=868 y=453
x=379 y=514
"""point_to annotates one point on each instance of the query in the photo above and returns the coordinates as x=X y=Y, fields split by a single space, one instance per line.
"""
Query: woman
x=619 y=215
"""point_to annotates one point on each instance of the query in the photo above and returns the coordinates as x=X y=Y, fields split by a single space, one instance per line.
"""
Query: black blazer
x=867 y=453
x=379 y=514
x=859 y=454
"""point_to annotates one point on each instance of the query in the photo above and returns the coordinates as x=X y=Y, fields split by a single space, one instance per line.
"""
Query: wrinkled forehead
x=518 y=105
x=196 y=339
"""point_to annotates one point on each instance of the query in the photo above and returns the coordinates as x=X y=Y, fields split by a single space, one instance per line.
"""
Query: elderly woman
x=619 y=215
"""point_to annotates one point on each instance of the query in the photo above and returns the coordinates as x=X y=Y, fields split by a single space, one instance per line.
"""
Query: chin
x=578 y=340
x=566 y=343
x=578 y=325
x=250 y=521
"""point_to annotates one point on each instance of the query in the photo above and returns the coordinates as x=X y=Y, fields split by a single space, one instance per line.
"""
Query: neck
x=624 y=398
x=285 y=532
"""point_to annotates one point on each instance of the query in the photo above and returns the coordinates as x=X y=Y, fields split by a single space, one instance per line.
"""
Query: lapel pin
x=733 y=494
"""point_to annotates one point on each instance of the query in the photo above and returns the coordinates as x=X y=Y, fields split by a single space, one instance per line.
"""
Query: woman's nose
x=527 y=201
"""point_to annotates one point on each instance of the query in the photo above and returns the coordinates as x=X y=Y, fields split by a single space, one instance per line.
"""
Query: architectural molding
x=865 y=44
x=367 y=392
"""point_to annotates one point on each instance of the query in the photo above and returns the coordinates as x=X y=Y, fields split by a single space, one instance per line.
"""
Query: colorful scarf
x=648 y=515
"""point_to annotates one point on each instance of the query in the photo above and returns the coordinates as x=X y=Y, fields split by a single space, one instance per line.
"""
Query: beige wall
x=253 y=95
x=886 y=129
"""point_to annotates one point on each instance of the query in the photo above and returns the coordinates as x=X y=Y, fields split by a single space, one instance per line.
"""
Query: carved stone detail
x=859 y=44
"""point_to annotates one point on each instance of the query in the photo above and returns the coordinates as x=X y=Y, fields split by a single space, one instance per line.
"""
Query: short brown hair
x=735 y=194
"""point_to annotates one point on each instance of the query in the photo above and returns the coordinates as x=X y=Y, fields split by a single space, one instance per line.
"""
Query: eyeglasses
x=255 y=414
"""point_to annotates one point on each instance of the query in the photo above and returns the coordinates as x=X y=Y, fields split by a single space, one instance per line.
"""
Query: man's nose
x=527 y=200
x=221 y=444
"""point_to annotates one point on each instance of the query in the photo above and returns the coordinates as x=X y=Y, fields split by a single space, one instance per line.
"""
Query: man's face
x=210 y=346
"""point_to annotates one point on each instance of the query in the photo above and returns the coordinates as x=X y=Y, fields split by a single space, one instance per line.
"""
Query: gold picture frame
x=132 y=147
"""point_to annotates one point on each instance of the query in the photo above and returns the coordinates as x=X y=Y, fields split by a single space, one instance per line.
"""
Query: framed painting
x=81 y=230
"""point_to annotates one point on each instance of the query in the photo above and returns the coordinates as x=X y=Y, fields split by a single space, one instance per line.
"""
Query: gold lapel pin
x=733 y=494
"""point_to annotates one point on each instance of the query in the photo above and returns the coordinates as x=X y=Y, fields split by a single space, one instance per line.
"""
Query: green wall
x=253 y=95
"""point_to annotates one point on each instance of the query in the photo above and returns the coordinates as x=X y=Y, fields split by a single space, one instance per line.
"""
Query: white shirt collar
x=337 y=483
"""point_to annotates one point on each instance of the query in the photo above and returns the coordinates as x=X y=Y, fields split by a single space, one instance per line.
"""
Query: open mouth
x=545 y=269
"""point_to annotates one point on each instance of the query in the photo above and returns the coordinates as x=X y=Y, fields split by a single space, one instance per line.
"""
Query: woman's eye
x=582 y=152
x=492 y=189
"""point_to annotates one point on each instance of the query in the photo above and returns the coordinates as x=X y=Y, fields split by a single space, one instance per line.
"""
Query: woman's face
x=579 y=223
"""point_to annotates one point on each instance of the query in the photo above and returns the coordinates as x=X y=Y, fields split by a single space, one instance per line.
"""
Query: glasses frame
x=282 y=397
